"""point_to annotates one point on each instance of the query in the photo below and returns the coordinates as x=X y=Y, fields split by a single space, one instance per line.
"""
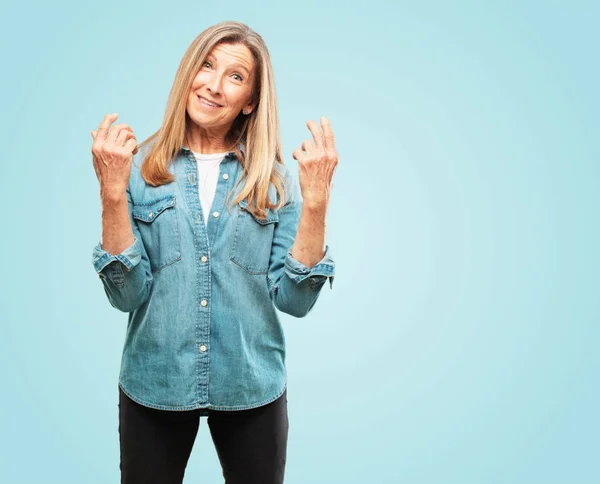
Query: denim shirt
x=203 y=331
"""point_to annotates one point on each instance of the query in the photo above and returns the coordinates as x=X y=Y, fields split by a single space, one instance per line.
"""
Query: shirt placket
x=204 y=236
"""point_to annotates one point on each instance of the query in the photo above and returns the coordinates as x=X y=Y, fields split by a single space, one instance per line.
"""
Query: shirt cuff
x=319 y=273
x=130 y=257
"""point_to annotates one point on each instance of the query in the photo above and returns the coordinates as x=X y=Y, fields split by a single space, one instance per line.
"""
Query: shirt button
x=225 y=176
x=204 y=258
x=150 y=215
x=215 y=214
x=204 y=303
x=202 y=348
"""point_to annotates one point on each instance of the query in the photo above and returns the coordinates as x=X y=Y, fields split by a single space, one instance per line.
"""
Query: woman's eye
x=206 y=62
x=239 y=77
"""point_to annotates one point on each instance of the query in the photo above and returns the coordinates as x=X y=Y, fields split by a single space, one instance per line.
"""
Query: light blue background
x=459 y=342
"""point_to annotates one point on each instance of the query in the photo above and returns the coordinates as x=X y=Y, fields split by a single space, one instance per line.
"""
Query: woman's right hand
x=112 y=153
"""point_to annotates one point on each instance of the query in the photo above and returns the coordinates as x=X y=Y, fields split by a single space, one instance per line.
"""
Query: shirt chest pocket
x=252 y=241
x=158 y=223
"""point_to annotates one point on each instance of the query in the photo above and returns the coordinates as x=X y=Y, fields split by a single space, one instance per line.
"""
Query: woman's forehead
x=233 y=54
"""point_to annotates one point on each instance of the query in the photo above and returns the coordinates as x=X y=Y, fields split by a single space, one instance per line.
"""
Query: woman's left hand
x=317 y=162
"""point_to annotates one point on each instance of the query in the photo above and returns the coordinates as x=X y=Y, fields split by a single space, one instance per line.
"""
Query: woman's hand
x=112 y=154
x=316 y=165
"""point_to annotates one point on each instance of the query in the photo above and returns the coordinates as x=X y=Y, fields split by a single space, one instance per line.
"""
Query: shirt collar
x=242 y=146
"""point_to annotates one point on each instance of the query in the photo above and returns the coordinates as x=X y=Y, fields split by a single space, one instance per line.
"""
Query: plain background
x=459 y=343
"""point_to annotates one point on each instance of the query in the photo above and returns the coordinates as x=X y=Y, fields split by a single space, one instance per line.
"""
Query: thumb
x=93 y=133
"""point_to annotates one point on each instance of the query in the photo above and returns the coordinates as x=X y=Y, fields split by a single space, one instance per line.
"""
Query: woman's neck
x=199 y=141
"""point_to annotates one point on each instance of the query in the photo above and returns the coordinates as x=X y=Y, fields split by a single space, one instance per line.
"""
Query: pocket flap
x=147 y=211
x=272 y=215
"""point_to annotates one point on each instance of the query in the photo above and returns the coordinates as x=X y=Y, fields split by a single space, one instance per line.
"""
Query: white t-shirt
x=208 y=175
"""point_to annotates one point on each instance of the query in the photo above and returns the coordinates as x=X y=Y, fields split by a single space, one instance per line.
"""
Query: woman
x=203 y=236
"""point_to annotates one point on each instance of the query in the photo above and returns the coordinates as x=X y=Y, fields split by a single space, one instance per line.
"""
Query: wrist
x=315 y=200
x=113 y=193
x=317 y=205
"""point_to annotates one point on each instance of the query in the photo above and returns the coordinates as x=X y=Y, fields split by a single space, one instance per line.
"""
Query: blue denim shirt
x=203 y=331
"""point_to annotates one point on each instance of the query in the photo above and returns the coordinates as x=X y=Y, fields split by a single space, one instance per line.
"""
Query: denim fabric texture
x=203 y=330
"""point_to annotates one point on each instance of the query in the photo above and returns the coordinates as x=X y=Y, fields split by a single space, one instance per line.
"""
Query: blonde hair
x=259 y=131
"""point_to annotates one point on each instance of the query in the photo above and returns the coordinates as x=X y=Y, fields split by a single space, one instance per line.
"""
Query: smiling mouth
x=208 y=103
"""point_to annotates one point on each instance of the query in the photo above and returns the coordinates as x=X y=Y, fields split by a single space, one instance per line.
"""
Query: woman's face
x=226 y=78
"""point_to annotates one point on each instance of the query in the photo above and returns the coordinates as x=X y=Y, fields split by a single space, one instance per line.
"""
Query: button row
x=204 y=303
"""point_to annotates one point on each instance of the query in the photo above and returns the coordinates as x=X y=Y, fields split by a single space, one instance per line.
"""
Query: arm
x=120 y=259
x=309 y=244
x=295 y=281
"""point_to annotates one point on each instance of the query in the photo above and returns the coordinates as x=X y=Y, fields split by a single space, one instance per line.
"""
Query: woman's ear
x=249 y=108
x=252 y=103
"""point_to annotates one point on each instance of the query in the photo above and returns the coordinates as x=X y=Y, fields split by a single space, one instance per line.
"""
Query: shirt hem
x=199 y=407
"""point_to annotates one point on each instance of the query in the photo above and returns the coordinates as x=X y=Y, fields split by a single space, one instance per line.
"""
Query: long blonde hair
x=259 y=131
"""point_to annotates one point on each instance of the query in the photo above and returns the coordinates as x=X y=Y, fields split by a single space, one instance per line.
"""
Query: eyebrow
x=236 y=65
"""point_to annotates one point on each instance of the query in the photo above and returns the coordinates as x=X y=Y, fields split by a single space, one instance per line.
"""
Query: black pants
x=156 y=444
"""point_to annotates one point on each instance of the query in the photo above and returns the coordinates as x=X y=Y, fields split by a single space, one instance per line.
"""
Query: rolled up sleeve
x=130 y=257
x=293 y=286
x=317 y=275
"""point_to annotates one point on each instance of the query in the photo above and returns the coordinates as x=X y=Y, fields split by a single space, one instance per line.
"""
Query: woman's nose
x=214 y=85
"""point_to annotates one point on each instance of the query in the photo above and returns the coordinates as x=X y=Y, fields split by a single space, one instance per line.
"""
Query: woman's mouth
x=208 y=104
